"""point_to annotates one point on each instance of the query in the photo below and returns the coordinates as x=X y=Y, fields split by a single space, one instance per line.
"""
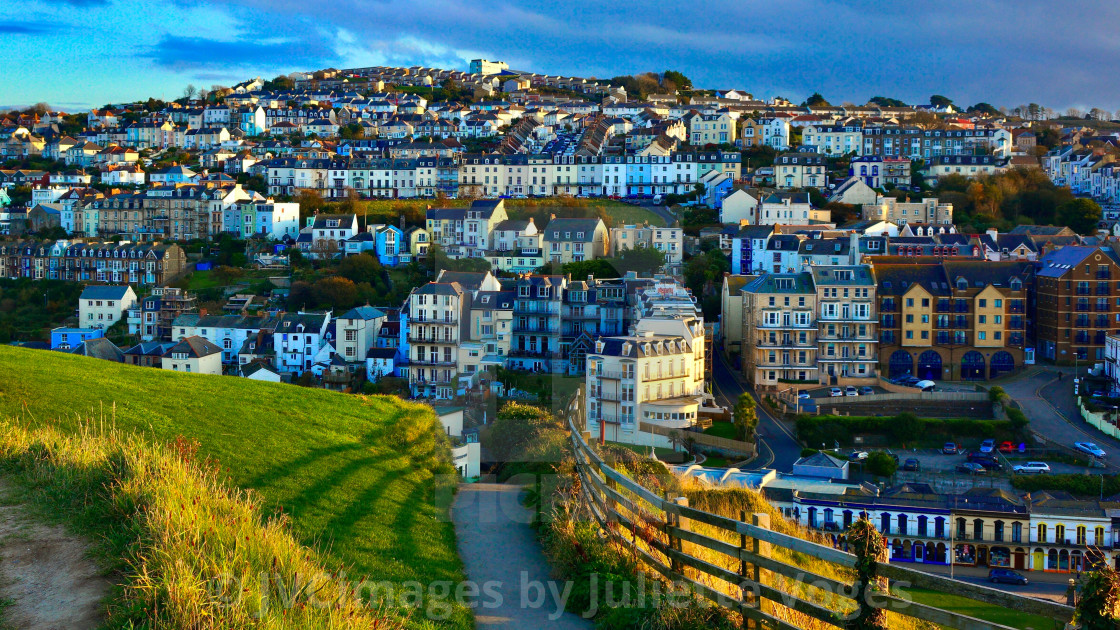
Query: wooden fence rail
x=741 y=572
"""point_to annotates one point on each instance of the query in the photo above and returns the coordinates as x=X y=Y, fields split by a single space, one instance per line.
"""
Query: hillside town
x=462 y=237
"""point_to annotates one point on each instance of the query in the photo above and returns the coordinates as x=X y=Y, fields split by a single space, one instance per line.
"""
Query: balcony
x=1083 y=291
x=543 y=306
x=789 y=325
x=421 y=318
x=1103 y=290
x=417 y=337
x=429 y=362
x=550 y=329
x=1015 y=308
x=1015 y=340
x=617 y=376
x=612 y=419
x=534 y=354
x=1082 y=307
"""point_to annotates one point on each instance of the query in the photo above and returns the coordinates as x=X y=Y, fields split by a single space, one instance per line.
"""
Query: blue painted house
x=68 y=338
x=386 y=242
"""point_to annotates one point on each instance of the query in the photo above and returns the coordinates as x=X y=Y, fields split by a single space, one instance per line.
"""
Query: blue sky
x=79 y=53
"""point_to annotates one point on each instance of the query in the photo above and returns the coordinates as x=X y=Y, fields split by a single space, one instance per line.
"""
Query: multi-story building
x=917 y=143
x=228 y=332
x=104 y=306
x=668 y=241
x=957 y=320
x=837 y=139
x=646 y=377
x=131 y=263
x=780 y=331
x=466 y=232
x=965 y=165
x=847 y=323
x=928 y=210
x=573 y=240
x=153 y=319
x=298 y=339
x=356 y=331
x=1076 y=291
x=438 y=320
x=800 y=170
x=536 y=324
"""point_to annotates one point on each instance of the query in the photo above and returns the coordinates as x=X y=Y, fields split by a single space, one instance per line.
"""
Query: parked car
x=851 y=391
x=835 y=391
x=866 y=390
x=925 y=386
x=804 y=395
x=971 y=468
x=1090 y=448
x=1007 y=447
x=908 y=381
x=1006 y=576
x=950 y=448
x=912 y=464
x=1032 y=468
x=857 y=456
x=987 y=446
x=989 y=463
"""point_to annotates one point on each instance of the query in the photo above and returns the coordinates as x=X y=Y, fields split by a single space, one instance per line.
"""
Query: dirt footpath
x=47 y=575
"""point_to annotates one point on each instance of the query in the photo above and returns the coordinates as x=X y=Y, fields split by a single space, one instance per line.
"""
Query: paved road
x=504 y=562
x=1051 y=586
x=777 y=447
x=1052 y=410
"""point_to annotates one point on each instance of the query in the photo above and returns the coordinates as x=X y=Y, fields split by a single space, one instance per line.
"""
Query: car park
x=912 y=464
x=971 y=468
x=866 y=390
x=835 y=391
x=950 y=448
x=987 y=446
x=989 y=463
x=851 y=391
x=1032 y=468
x=1006 y=576
x=1090 y=448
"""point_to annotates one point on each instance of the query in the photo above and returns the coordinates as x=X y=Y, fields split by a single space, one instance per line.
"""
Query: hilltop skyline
x=90 y=52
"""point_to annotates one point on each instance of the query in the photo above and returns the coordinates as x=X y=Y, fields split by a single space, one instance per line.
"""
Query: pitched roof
x=99 y=348
x=104 y=292
x=194 y=347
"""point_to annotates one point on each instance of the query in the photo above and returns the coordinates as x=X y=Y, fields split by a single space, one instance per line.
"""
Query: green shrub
x=905 y=427
x=881 y=464
x=996 y=393
x=806 y=452
x=1078 y=485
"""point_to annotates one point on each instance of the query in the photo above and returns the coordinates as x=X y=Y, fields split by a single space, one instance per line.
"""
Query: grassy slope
x=321 y=456
x=980 y=610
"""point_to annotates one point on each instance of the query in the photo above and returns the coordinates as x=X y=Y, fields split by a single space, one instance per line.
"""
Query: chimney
x=202 y=312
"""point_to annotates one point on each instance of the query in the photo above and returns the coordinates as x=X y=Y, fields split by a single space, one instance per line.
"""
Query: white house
x=194 y=355
x=101 y=306
x=298 y=339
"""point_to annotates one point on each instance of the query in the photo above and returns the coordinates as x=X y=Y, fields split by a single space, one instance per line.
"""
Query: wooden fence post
x=761 y=549
x=673 y=519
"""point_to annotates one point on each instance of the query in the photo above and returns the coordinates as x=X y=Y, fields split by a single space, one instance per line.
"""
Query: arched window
x=1041 y=533
x=902 y=524
x=1081 y=534
x=1059 y=533
x=997 y=531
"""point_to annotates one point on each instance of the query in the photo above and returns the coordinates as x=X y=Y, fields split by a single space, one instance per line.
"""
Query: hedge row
x=902 y=429
x=1077 y=485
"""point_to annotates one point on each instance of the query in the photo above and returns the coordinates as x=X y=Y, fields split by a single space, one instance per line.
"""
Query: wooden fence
x=745 y=566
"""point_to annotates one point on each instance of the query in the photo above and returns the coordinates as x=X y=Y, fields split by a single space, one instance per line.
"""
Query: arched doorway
x=1020 y=557
x=972 y=366
x=901 y=364
x=929 y=365
x=1002 y=363
x=1039 y=560
x=919 y=552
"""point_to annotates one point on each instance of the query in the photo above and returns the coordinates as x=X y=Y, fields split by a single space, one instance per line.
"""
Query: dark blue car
x=1006 y=576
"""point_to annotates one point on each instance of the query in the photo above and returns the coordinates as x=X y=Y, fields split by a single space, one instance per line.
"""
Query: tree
x=907 y=427
x=745 y=418
x=642 y=259
x=883 y=101
x=678 y=80
x=190 y=91
x=985 y=109
x=336 y=293
x=363 y=267
x=515 y=427
x=1080 y=215
x=816 y=100
x=940 y=102
x=881 y=464
x=598 y=267
x=1099 y=114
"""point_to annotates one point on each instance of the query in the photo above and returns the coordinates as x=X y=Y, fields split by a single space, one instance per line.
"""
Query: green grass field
x=346 y=469
x=722 y=429
x=980 y=610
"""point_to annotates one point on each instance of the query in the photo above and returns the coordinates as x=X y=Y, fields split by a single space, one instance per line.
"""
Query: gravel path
x=504 y=561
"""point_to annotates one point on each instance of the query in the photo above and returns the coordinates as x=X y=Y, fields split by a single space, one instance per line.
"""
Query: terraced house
x=847 y=324
x=131 y=263
x=957 y=320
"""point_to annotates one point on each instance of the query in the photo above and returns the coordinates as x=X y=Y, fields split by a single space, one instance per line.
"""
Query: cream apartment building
x=780 y=331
